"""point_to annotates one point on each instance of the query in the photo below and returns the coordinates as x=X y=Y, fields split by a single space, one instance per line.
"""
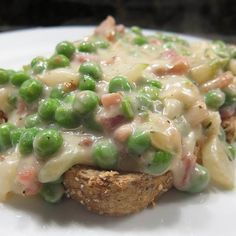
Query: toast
x=114 y=193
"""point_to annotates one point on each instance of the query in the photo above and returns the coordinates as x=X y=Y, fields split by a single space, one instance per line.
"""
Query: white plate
x=209 y=213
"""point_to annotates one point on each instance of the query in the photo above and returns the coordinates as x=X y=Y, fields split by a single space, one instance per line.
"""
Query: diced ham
x=111 y=122
x=178 y=65
x=108 y=29
x=220 y=82
x=82 y=57
x=111 y=99
x=122 y=133
x=86 y=142
x=120 y=29
x=29 y=181
x=107 y=26
x=227 y=112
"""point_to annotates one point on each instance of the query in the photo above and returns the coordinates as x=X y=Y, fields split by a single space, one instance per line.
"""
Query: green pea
x=57 y=93
x=104 y=154
x=89 y=121
x=58 y=61
x=26 y=140
x=87 y=83
x=151 y=91
x=85 y=102
x=40 y=66
x=4 y=76
x=92 y=69
x=32 y=121
x=215 y=98
x=139 y=142
x=52 y=192
x=119 y=83
x=100 y=43
x=137 y=30
x=66 y=117
x=31 y=90
x=87 y=47
x=47 y=142
x=159 y=163
x=16 y=135
x=36 y=60
x=18 y=78
x=47 y=109
x=144 y=102
x=140 y=40
x=65 y=48
x=199 y=180
x=69 y=98
x=127 y=108
x=5 y=138
x=154 y=83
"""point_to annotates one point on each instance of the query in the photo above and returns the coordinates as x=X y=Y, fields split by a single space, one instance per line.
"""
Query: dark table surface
x=205 y=18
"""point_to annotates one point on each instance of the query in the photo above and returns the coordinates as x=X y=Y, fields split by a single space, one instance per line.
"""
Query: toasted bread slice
x=114 y=193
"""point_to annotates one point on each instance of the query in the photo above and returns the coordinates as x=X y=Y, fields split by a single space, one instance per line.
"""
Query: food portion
x=116 y=119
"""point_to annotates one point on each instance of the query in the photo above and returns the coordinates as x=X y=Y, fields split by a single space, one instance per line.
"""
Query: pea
x=87 y=47
x=144 y=102
x=199 y=179
x=154 y=83
x=101 y=44
x=58 y=61
x=47 y=142
x=104 y=154
x=87 y=83
x=36 y=60
x=52 y=192
x=5 y=138
x=85 y=101
x=57 y=93
x=47 y=109
x=127 y=108
x=92 y=69
x=66 y=117
x=16 y=135
x=151 y=91
x=215 y=98
x=139 y=142
x=119 y=83
x=4 y=76
x=140 y=40
x=69 y=99
x=31 y=90
x=26 y=141
x=40 y=66
x=159 y=163
x=90 y=122
x=137 y=30
x=18 y=78
x=65 y=48
x=32 y=121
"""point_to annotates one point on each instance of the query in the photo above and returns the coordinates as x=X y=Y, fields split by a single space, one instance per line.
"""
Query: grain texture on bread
x=114 y=193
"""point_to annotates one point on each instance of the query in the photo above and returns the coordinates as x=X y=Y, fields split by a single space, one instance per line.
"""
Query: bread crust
x=114 y=193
